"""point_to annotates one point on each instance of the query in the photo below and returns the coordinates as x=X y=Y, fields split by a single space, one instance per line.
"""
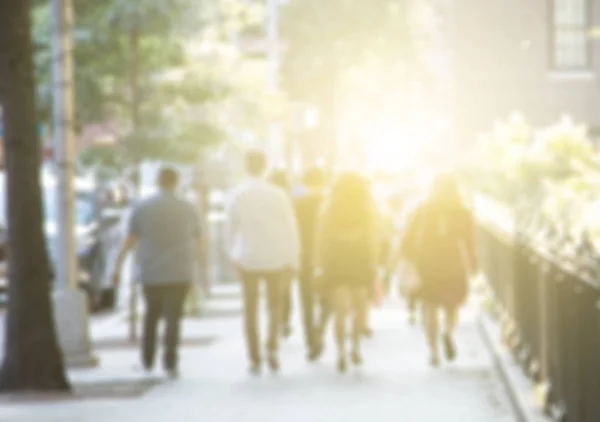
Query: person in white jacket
x=264 y=245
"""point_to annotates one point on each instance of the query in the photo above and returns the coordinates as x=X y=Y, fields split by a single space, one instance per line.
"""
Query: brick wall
x=503 y=65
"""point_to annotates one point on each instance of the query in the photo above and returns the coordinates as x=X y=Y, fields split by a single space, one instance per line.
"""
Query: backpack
x=431 y=240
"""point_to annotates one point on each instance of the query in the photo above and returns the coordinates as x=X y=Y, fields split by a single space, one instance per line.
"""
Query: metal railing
x=548 y=305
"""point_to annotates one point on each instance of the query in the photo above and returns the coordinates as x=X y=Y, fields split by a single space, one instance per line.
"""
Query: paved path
x=396 y=384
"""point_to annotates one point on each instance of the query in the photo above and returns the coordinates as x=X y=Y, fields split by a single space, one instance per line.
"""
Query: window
x=571 y=46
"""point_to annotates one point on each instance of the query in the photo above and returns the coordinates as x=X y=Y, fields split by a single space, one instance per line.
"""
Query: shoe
x=286 y=331
x=449 y=347
x=273 y=362
x=141 y=368
x=173 y=373
x=434 y=361
x=316 y=351
x=357 y=359
x=342 y=366
x=255 y=368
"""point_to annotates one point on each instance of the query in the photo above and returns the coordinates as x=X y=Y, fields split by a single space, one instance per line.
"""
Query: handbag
x=409 y=282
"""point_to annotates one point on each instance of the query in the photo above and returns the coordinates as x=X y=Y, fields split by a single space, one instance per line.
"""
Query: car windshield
x=84 y=207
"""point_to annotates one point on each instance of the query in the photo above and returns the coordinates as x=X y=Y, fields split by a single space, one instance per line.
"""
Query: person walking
x=314 y=305
x=397 y=266
x=378 y=292
x=264 y=246
x=165 y=229
x=439 y=243
x=347 y=256
x=279 y=178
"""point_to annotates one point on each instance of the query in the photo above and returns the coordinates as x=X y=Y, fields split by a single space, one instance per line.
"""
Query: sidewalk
x=396 y=383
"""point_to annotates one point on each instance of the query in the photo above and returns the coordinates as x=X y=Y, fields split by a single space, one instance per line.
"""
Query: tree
x=123 y=52
x=32 y=359
x=325 y=38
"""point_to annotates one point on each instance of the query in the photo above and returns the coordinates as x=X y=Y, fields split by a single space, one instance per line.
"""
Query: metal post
x=63 y=115
x=71 y=310
x=135 y=124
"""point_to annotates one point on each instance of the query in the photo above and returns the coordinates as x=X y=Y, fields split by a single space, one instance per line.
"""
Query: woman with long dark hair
x=346 y=258
x=439 y=242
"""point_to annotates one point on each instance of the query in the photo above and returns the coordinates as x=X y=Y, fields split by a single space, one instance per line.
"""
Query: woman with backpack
x=439 y=243
x=347 y=258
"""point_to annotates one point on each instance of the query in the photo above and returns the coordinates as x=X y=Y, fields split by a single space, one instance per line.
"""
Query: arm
x=320 y=239
x=129 y=243
x=131 y=240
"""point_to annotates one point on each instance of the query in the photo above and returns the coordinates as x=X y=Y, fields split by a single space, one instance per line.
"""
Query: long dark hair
x=349 y=202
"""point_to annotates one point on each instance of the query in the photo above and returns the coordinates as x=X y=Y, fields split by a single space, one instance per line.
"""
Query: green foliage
x=101 y=156
x=148 y=44
x=549 y=176
x=323 y=37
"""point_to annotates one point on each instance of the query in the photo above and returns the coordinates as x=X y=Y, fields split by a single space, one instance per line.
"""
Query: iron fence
x=548 y=305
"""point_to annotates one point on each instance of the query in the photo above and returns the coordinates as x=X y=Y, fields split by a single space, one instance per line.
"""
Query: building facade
x=537 y=57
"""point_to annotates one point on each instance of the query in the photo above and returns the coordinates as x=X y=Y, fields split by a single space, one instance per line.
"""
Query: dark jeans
x=286 y=304
x=164 y=300
x=251 y=282
x=316 y=307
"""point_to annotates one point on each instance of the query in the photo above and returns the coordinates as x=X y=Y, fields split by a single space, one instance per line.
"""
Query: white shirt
x=262 y=230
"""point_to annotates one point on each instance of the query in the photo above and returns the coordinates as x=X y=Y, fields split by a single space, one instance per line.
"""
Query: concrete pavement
x=395 y=384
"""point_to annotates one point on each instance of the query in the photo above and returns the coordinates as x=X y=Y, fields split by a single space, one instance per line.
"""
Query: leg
x=367 y=330
x=340 y=304
x=430 y=319
x=286 y=307
x=371 y=295
x=307 y=302
x=250 y=283
x=325 y=309
x=451 y=323
x=360 y=304
x=325 y=300
x=174 y=301
x=276 y=292
x=153 y=300
x=452 y=317
x=412 y=308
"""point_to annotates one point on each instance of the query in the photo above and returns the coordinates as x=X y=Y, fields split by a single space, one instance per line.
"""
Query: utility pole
x=135 y=148
x=70 y=303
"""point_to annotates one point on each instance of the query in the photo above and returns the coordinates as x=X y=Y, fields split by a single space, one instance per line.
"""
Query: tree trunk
x=32 y=359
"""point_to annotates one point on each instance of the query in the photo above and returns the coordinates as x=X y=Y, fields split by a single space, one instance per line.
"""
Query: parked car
x=97 y=234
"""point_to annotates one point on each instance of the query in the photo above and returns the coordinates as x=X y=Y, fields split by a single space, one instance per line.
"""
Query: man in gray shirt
x=165 y=229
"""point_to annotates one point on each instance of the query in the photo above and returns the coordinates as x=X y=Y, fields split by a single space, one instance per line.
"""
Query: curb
x=516 y=384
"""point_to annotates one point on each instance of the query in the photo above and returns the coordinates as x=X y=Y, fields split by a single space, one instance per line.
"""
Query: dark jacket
x=440 y=243
x=308 y=208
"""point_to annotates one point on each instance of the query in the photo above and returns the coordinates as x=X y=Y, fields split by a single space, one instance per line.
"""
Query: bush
x=548 y=176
